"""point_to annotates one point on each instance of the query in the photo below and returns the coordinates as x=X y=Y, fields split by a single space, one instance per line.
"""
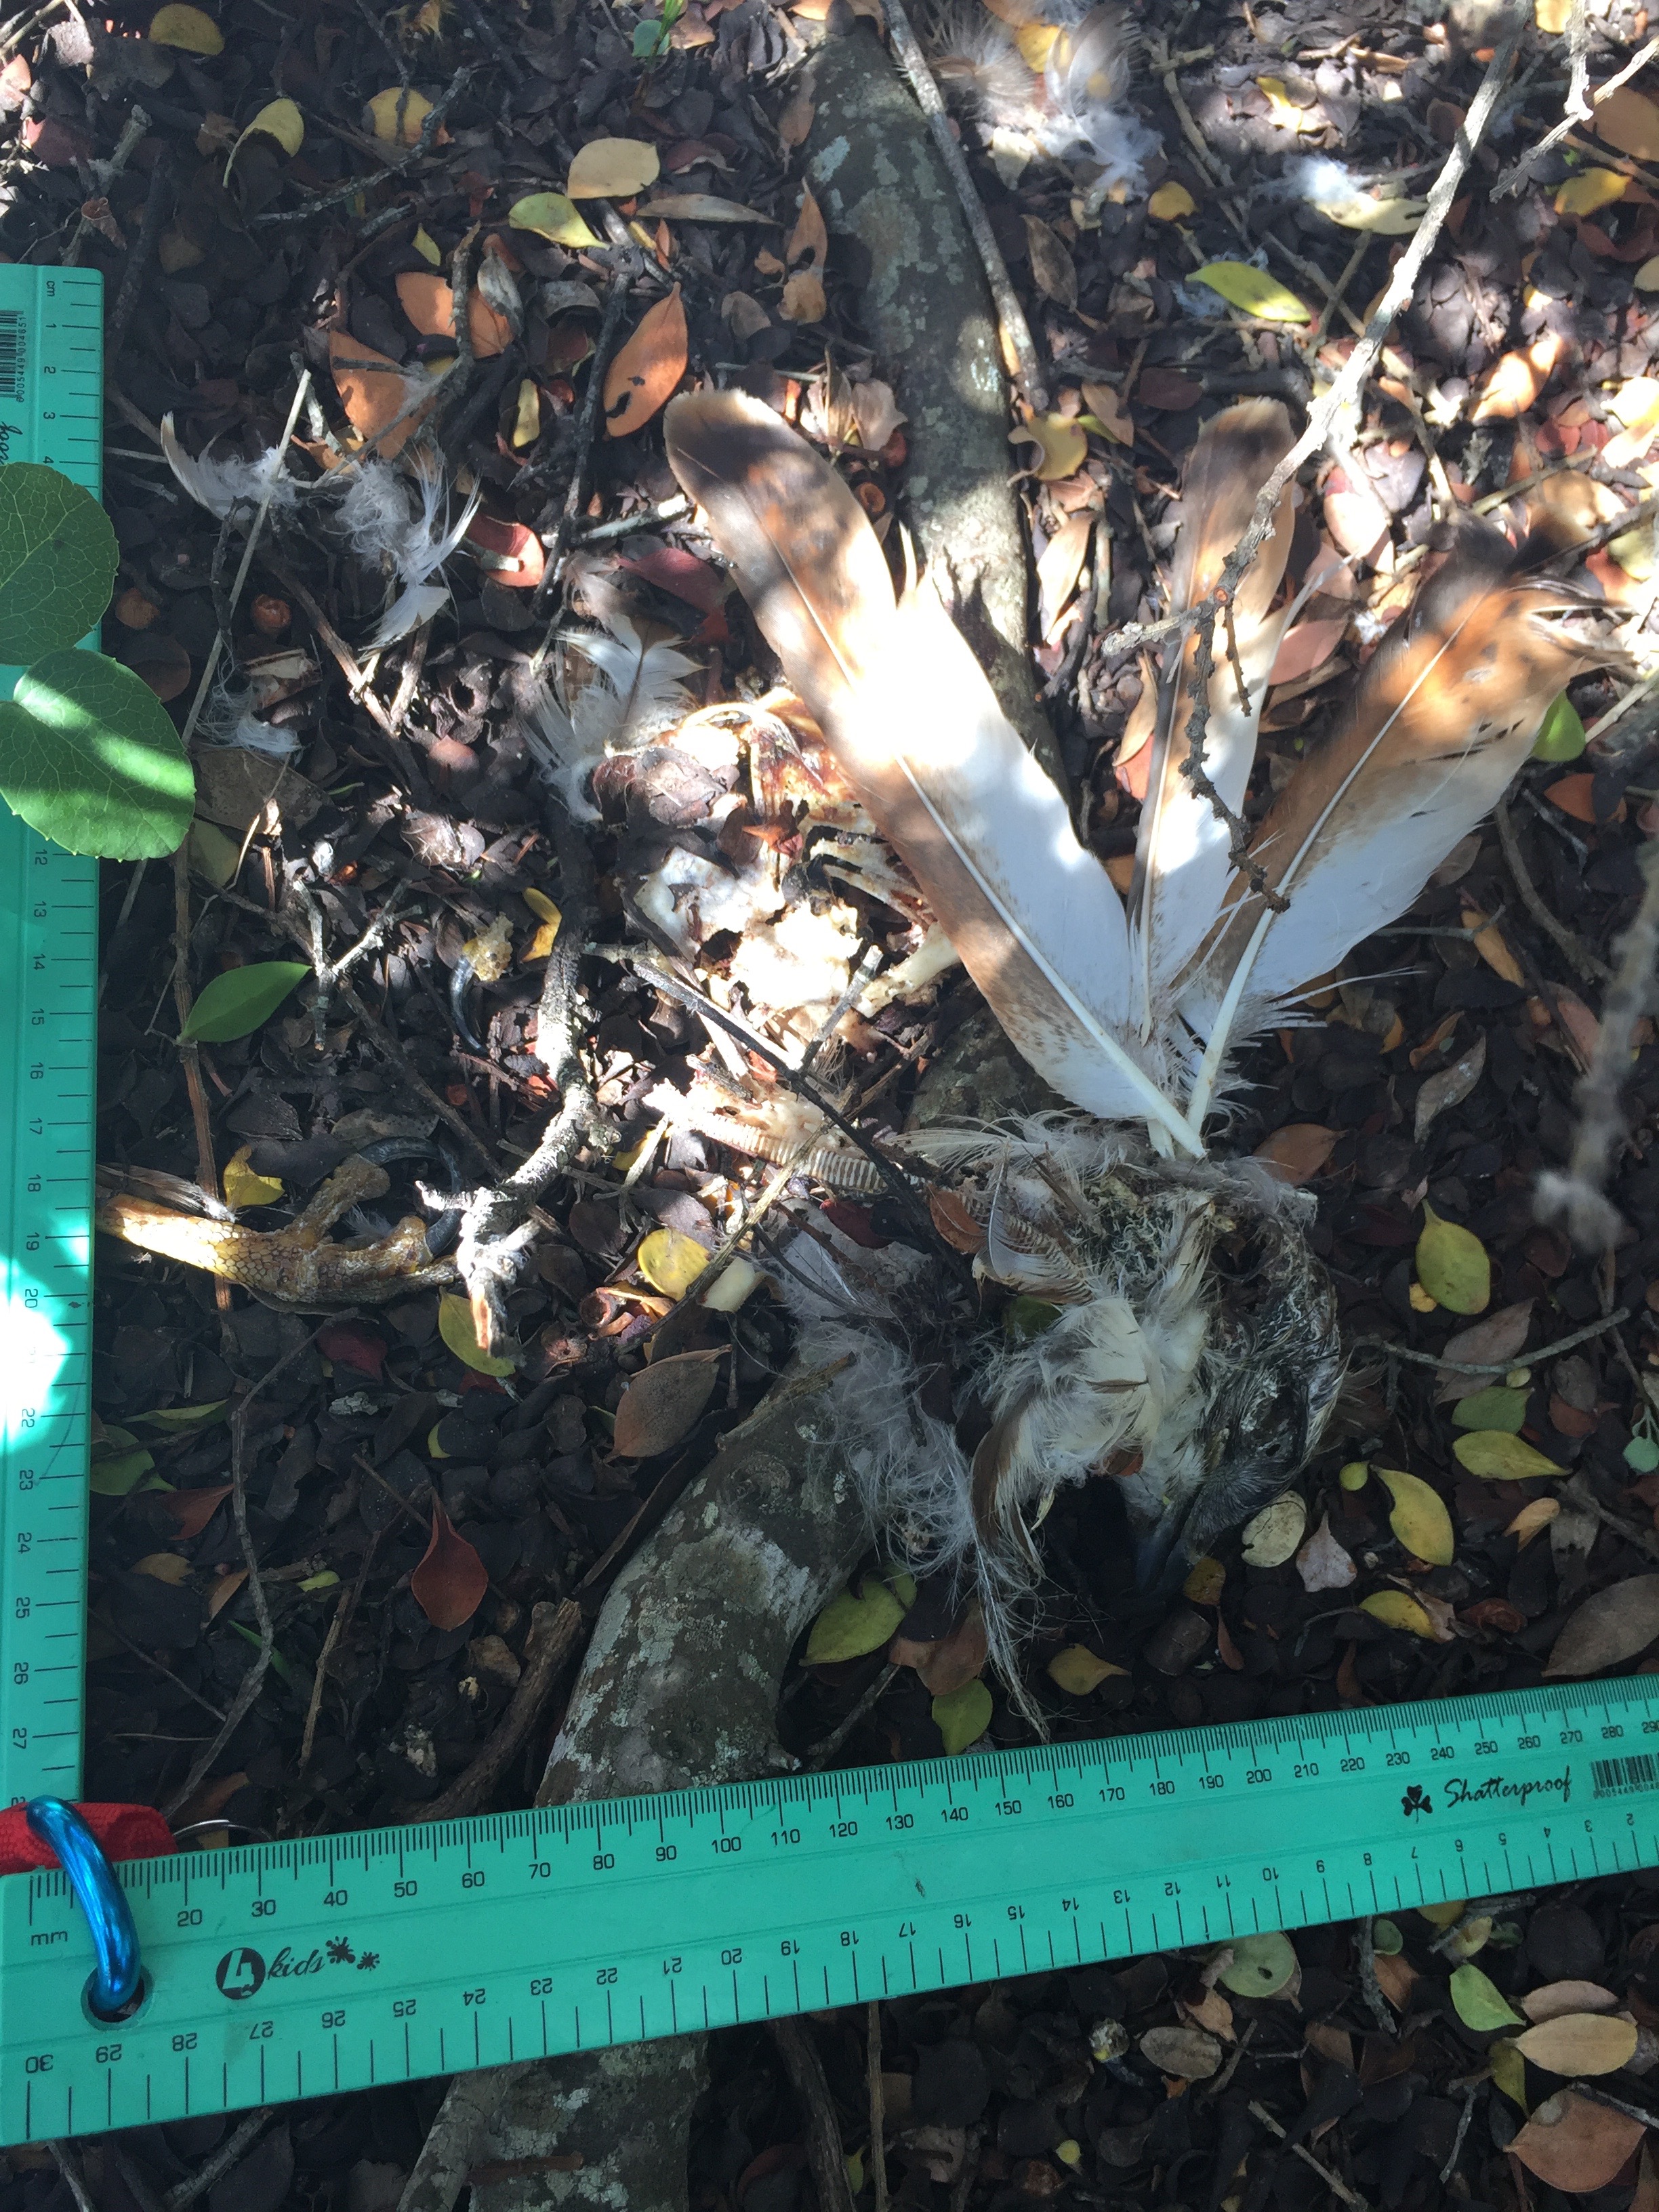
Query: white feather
x=384 y=529
x=632 y=695
x=222 y=486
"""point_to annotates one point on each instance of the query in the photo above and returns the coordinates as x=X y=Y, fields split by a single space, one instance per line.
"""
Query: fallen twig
x=825 y=2160
x=1584 y=963
x=587 y=424
x=343 y=195
x=1578 y=109
x=1492 y=1366
x=1333 y=2181
x=230 y=2152
x=552 y=1638
x=878 y=2104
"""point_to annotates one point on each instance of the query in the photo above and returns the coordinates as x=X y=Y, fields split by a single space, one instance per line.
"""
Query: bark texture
x=679 y=1688
x=927 y=311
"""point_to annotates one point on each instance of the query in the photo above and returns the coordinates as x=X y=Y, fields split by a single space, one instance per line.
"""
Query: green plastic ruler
x=298 y=1969
x=51 y=410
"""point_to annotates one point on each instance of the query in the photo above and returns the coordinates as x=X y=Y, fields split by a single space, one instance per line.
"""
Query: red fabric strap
x=122 y=1832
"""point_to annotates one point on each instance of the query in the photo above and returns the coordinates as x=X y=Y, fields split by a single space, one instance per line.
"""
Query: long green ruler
x=52 y=411
x=298 y=1969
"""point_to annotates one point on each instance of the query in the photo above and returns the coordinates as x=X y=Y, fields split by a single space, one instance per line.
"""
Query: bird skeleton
x=1195 y=1355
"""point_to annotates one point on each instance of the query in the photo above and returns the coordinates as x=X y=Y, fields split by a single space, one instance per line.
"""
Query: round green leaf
x=852 y=1623
x=1261 y=1966
x=1499 y=1407
x=90 y=758
x=1387 y=1940
x=235 y=1004
x=1642 y=1454
x=963 y=1715
x=1561 y=734
x=57 y=557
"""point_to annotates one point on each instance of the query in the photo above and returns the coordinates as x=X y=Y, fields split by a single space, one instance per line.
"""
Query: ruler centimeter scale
x=51 y=403
x=299 y=1969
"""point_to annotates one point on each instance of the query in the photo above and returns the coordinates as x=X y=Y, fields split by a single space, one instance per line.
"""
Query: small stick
x=588 y=424
x=552 y=1638
x=877 y=2105
x=231 y=2151
x=825 y=2159
x=132 y=131
x=1578 y=111
x=1019 y=352
x=1494 y=1366
x=140 y=255
x=1334 y=2182
x=343 y=194
x=69 y=2166
x=1584 y=963
x=829 y=1745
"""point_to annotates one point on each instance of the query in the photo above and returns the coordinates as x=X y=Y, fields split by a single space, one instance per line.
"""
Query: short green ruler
x=298 y=1969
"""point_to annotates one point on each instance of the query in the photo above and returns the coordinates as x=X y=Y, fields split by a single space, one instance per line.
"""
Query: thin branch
x=1578 y=110
x=343 y=195
x=587 y=424
x=1584 y=963
x=231 y=2151
x=1492 y=1366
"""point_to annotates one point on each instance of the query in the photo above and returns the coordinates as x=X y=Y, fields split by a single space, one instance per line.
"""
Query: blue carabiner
x=115 y=1980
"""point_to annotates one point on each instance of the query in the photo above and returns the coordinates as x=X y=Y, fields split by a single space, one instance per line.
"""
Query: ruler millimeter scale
x=300 y=1969
x=51 y=411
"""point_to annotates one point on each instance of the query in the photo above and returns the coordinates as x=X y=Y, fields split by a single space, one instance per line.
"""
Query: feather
x=633 y=695
x=1181 y=863
x=386 y=531
x=222 y=486
x=916 y=728
x=1086 y=82
x=1446 y=713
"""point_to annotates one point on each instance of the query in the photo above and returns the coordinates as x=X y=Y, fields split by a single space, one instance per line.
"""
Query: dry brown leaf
x=744 y=315
x=375 y=391
x=1532 y=1520
x=1496 y=1338
x=613 y=169
x=450 y=1583
x=430 y=306
x=1306 y=647
x=1493 y=948
x=803 y=299
x=1608 y=1629
x=1575 y=2145
x=1051 y=265
x=876 y=412
x=809 y=241
x=1107 y=407
x=187 y=1512
x=1579 y=2043
x=796 y=120
x=1512 y=384
x=952 y=1661
x=1449 y=1087
x=1059 y=567
x=1187 y=2053
x=1212 y=2013
x=648 y=365
x=1322 y=1564
x=1557 y=1997
x=664 y=1402
x=1358 y=522
x=1296 y=1153
x=1394 y=1977
x=1628 y=120
x=221 y=1591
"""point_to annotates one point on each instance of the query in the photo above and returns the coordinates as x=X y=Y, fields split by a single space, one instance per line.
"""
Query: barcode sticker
x=14 y=359
x=1617 y=1777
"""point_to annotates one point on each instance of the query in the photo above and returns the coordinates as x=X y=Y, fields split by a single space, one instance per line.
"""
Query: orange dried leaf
x=375 y=391
x=430 y=306
x=1296 y=1153
x=187 y=1512
x=1574 y=795
x=1513 y=382
x=809 y=241
x=650 y=364
x=804 y=299
x=450 y=1583
x=1630 y=121
x=1575 y=2145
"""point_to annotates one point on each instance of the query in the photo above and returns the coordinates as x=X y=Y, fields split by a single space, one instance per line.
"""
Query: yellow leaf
x=963 y=1715
x=1077 y=1670
x=1443 y=1916
x=1063 y=446
x=1205 y=1584
x=1646 y=278
x=324 y=1578
x=1420 y=1517
x=542 y=943
x=1283 y=111
x=428 y=247
x=1532 y=1520
x=852 y=1624
x=1478 y=2002
x=455 y=1327
x=552 y=216
x=1551 y=18
x=396 y=116
x=187 y=28
x=1421 y=1302
x=1590 y=190
x=279 y=119
x=539 y=903
x=527 y=416
x=1035 y=42
x=1495 y=1455
x=244 y=1188
x=672 y=1262
x=1514 y=381
x=1355 y=1475
x=1170 y=201
x=1636 y=405
x=1629 y=121
x=1452 y=1265
x=1252 y=291
x=163 y=1567
x=1580 y=2043
x=1395 y=1609
x=1508 y=2070
x=613 y=169
x=1395 y=218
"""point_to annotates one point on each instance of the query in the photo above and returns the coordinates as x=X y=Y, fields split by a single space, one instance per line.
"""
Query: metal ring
x=115 y=1980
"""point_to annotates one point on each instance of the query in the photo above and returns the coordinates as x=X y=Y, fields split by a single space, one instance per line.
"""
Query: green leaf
x=235 y=1004
x=57 y=557
x=90 y=758
x=1252 y=291
x=1452 y=1266
x=1499 y=1407
x=1561 y=734
x=179 y=1416
x=1495 y=1457
x=1262 y=1965
x=1642 y=1454
x=963 y=1715
x=1387 y=1940
x=455 y=1327
x=279 y=1666
x=852 y=1624
x=113 y=1478
x=1478 y=2003
x=1024 y=1317
x=552 y=216
x=1419 y=1518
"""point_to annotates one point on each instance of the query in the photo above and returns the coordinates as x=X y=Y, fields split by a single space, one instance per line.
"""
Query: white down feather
x=632 y=695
